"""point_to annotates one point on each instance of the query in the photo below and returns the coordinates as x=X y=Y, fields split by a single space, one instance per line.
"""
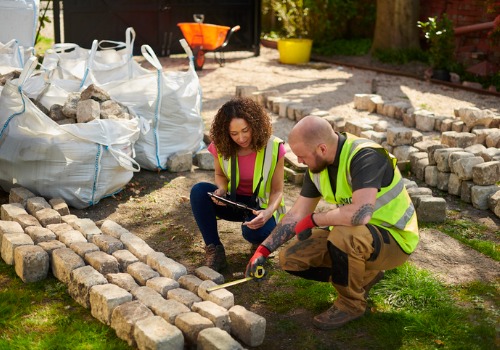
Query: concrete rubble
x=150 y=300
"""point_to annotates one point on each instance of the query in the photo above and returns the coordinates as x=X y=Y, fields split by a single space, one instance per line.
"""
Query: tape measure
x=259 y=273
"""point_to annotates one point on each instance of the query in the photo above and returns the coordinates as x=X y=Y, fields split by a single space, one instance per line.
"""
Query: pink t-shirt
x=246 y=165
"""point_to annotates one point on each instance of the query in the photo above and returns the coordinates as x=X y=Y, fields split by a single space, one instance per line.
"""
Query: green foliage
x=353 y=47
x=320 y=20
x=42 y=315
x=42 y=20
x=409 y=310
x=441 y=38
x=294 y=17
x=400 y=56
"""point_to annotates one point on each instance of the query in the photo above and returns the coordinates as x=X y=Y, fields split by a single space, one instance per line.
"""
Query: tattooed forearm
x=362 y=216
x=281 y=234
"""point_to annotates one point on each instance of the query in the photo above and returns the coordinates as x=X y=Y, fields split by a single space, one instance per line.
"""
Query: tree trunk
x=396 y=25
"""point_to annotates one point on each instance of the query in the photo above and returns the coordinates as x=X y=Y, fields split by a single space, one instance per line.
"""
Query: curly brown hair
x=247 y=109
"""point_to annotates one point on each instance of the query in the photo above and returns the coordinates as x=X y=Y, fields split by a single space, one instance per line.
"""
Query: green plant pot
x=294 y=51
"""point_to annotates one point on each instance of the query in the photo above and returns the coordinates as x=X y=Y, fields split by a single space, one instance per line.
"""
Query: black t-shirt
x=370 y=168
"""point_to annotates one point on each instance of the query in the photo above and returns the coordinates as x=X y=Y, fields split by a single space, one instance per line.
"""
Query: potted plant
x=440 y=35
x=295 y=46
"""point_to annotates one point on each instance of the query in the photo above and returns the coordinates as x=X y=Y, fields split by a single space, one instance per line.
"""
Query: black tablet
x=231 y=203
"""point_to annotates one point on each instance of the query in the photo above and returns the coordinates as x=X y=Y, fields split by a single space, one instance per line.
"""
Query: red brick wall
x=464 y=13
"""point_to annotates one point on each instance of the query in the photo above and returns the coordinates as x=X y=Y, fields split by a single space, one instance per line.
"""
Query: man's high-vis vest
x=393 y=210
x=265 y=164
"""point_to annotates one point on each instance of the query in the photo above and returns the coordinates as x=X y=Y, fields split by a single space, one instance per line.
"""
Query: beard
x=319 y=165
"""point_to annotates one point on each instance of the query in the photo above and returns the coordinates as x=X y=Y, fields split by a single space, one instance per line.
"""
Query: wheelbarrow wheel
x=199 y=58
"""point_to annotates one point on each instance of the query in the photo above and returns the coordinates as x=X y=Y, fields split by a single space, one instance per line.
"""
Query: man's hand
x=304 y=227
x=258 y=260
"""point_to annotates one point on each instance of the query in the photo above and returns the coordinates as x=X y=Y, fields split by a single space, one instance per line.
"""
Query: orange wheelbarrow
x=204 y=37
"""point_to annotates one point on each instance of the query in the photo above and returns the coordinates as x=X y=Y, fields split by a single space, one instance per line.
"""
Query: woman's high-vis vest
x=265 y=164
x=393 y=210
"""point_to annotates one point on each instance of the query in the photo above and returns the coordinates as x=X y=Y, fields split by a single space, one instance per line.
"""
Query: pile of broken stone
x=150 y=300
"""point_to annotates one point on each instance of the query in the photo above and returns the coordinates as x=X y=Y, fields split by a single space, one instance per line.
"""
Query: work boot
x=215 y=257
x=373 y=282
x=333 y=318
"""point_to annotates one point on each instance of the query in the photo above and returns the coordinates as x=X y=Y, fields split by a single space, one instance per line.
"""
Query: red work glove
x=304 y=227
x=256 y=264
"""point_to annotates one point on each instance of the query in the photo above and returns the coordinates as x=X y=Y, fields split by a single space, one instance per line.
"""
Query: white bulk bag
x=82 y=163
x=19 y=21
x=170 y=102
x=104 y=62
x=13 y=56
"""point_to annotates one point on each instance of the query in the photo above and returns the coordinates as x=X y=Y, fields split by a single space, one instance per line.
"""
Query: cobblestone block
x=215 y=338
x=124 y=258
x=399 y=136
x=47 y=216
x=26 y=220
x=162 y=285
x=59 y=228
x=476 y=149
x=190 y=282
x=9 y=227
x=107 y=243
x=221 y=297
x=245 y=90
x=480 y=195
x=180 y=161
x=104 y=298
x=441 y=156
x=34 y=204
x=10 y=241
x=489 y=153
x=356 y=127
x=205 y=160
x=442 y=180
x=424 y=120
x=206 y=273
x=166 y=266
x=87 y=227
x=455 y=156
x=156 y=333
x=463 y=167
x=487 y=173
x=141 y=272
x=431 y=209
x=50 y=246
x=102 y=262
x=71 y=237
x=183 y=296
x=454 y=184
x=125 y=317
x=431 y=175
x=31 y=263
x=60 y=206
x=64 y=261
x=494 y=203
x=215 y=313
x=466 y=191
x=192 y=323
x=403 y=152
x=431 y=150
x=136 y=246
x=82 y=248
x=40 y=234
x=20 y=195
x=109 y=227
x=122 y=280
x=293 y=176
x=81 y=280
x=247 y=326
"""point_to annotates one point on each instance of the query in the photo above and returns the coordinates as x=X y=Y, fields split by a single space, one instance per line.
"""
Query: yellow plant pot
x=294 y=51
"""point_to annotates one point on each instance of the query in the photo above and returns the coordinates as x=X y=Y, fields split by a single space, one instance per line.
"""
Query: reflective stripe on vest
x=265 y=164
x=393 y=207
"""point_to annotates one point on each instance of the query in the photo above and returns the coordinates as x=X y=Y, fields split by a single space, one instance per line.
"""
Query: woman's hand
x=259 y=220
x=221 y=193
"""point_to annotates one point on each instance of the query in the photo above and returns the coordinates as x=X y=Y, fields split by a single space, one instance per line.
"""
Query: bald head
x=312 y=131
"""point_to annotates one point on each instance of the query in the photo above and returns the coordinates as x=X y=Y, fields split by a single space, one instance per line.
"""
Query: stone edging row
x=150 y=300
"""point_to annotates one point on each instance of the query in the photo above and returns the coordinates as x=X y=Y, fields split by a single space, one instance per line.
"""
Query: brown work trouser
x=352 y=249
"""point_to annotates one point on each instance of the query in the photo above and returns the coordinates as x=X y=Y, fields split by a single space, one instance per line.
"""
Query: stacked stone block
x=149 y=299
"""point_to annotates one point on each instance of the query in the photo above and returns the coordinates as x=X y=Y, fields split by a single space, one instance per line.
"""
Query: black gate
x=155 y=21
